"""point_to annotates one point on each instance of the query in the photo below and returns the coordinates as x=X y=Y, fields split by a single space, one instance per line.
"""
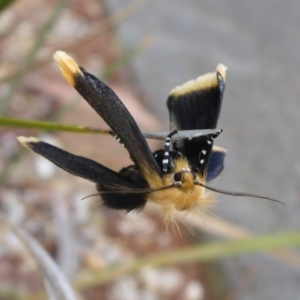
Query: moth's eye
x=178 y=177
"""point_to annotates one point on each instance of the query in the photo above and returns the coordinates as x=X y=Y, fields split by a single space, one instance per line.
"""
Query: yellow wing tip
x=203 y=82
x=25 y=141
x=58 y=55
x=222 y=70
x=68 y=66
x=219 y=149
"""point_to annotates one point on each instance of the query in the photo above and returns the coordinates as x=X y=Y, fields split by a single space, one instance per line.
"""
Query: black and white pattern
x=203 y=155
x=166 y=158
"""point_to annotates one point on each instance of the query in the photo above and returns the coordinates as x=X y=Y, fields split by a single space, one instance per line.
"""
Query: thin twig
x=106 y=24
x=58 y=282
x=32 y=53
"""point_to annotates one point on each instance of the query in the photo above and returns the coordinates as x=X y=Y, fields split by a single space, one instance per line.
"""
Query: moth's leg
x=176 y=149
x=203 y=157
x=166 y=158
x=175 y=146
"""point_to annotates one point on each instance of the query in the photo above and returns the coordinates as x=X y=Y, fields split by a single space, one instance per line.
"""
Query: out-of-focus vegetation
x=97 y=249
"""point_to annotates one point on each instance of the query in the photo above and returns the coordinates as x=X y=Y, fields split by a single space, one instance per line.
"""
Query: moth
x=176 y=177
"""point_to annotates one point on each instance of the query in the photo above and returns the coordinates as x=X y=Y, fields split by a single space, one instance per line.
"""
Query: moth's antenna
x=238 y=194
x=128 y=191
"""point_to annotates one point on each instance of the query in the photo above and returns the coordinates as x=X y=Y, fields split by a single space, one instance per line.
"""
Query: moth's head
x=181 y=174
x=185 y=178
x=179 y=189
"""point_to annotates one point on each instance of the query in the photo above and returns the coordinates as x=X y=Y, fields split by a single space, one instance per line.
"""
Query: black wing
x=107 y=104
x=197 y=105
x=109 y=183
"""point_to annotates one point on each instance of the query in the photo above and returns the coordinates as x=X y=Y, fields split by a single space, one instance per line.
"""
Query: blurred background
x=143 y=49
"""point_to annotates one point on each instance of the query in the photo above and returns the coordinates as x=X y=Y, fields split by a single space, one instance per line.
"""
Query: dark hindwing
x=114 y=187
x=197 y=105
x=216 y=163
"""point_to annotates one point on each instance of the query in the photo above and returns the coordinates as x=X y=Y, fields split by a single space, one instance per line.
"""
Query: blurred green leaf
x=5 y=3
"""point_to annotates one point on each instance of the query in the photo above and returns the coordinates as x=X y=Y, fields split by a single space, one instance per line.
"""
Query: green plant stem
x=200 y=252
x=46 y=126
x=204 y=253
